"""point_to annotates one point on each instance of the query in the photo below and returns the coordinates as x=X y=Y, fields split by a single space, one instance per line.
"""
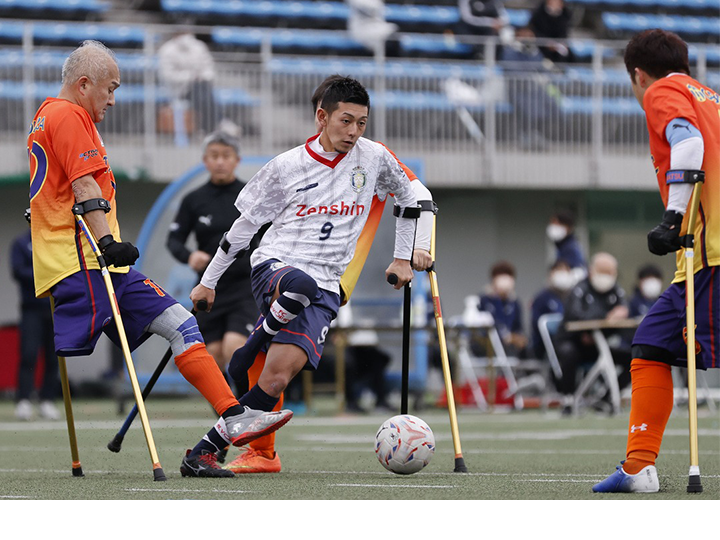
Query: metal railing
x=481 y=122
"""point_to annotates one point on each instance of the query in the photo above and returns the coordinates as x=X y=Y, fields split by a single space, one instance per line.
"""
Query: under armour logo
x=205 y=220
x=641 y=427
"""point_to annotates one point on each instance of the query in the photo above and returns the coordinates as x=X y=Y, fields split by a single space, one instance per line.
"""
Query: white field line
x=190 y=490
x=394 y=486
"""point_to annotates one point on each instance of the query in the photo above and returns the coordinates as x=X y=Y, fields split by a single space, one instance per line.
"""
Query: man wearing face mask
x=561 y=231
x=550 y=300
x=500 y=301
x=649 y=288
x=597 y=297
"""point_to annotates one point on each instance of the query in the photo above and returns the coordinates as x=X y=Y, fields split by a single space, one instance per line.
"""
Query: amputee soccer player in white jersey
x=317 y=197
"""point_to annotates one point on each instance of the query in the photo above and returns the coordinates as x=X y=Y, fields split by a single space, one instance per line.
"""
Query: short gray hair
x=88 y=60
x=224 y=138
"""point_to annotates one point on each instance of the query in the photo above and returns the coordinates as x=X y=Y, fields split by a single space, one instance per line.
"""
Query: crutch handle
x=392 y=279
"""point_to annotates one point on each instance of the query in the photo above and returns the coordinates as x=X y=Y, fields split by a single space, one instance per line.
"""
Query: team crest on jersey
x=358 y=179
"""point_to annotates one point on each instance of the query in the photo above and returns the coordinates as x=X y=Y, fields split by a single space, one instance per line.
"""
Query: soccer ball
x=404 y=444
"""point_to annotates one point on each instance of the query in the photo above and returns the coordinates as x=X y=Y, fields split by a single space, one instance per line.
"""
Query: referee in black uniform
x=209 y=211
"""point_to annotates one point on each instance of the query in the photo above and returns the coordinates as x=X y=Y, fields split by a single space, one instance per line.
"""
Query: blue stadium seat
x=55 y=59
x=631 y=23
x=610 y=106
x=434 y=45
x=127 y=93
x=424 y=101
x=54 y=6
x=286 y=39
x=73 y=33
x=393 y=68
x=648 y=6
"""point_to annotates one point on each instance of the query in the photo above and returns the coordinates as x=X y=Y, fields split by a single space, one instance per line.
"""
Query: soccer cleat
x=222 y=454
x=250 y=425
x=24 y=410
x=646 y=481
x=203 y=466
x=49 y=411
x=252 y=461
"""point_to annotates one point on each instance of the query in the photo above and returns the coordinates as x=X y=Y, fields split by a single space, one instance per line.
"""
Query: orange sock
x=650 y=408
x=200 y=370
x=264 y=445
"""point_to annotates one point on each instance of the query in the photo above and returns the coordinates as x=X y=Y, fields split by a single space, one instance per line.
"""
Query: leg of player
x=282 y=363
x=260 y=455
x=294 y=292
x=651 y=405
x=179 y=327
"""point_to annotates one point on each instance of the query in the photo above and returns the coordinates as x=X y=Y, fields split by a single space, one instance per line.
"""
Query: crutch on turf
x=392 y=279
x=116 y=443
x=694 y=483
x=69 y=417
x=435 y=291
x=158 y=473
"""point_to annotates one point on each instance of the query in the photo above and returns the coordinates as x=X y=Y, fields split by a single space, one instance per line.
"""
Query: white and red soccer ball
x=404 y=444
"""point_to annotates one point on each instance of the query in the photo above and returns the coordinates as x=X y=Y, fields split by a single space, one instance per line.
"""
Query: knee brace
x=179 y=327
x=297 y=291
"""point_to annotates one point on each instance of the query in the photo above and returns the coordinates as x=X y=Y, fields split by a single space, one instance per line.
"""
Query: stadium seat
x=622 y=23
x=307 y=40
x=393 y=68
x=73 y=33
x=55 y=8
x=610 y=106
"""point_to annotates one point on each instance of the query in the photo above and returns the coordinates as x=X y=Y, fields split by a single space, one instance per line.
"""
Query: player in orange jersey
x=70 y=173
x=261 y=457
x=683 y=119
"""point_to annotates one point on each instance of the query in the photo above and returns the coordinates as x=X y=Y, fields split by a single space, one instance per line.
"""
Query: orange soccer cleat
x=253 y=461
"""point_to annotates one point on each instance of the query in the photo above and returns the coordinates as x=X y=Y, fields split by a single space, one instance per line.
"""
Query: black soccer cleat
x=203 y=466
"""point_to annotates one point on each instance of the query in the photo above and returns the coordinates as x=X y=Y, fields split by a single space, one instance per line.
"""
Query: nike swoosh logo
x=309 y=186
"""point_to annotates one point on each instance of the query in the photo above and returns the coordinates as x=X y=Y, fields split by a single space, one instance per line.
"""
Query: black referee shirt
x=209 y=211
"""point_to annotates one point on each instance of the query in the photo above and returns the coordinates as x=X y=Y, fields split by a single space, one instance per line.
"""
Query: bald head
x=92 y=59
x=604 y=263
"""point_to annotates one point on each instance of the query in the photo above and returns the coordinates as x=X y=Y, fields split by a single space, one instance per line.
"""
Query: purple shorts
x=83 y=312
x=309 y=329
x=664 y=325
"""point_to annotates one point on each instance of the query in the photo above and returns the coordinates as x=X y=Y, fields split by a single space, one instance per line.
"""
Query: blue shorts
x=664 y=325
x=309 y=329
x=83 y=312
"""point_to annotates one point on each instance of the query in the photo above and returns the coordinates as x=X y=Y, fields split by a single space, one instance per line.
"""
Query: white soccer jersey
x=318 y=208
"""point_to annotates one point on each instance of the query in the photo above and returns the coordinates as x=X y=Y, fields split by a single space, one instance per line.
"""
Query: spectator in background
x=187 y=69
x=550 y=300
x=36 y=331
x=597 y=297
x=551 y=19
x=484 y=18
x=501 y=302
x=208 y=212
x=561 y=231
x=649 y=288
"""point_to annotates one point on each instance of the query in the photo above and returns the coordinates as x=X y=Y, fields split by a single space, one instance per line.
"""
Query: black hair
x=649 y=270
x=320 y=90
x=344 y=90
x=502 y=268
x=658 y=53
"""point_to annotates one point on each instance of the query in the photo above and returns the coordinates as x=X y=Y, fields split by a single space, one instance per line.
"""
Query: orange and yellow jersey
x=681 y=96
x=352 y=273
x=64 y=145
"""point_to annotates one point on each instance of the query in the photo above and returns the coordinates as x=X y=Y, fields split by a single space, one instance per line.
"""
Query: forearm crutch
x=69 y=417
x=115 y=444
x=158 y=473
x=694 y=483
x=435 y=291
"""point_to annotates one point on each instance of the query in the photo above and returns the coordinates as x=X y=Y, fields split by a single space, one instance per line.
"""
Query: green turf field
x=519 y=455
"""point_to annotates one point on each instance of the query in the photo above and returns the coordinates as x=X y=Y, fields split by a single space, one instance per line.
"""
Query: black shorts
x=234 y=310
